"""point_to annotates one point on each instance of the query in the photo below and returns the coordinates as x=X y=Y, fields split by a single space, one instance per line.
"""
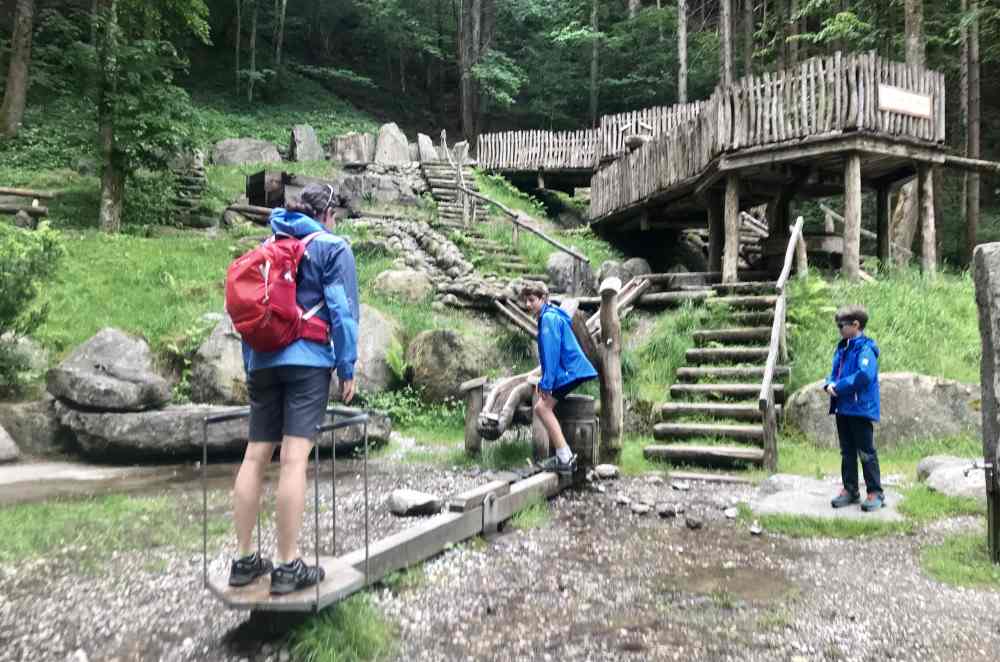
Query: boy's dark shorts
x=287 y=401
x=560 y=393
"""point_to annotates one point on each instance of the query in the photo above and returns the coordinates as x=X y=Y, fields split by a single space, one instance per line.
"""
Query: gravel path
x=596 y=582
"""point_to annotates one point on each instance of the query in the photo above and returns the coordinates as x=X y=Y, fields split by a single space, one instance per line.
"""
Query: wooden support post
x=925 y=187
x=541 y=180
x=801 y=257
x=883 y=229
x=851 y=267
x=474 y=395
x=612 y=399
x=644 y=219
x=514 y=234
x=986 y=266
x=716 y=231
x=539 y=436
x=731 y=251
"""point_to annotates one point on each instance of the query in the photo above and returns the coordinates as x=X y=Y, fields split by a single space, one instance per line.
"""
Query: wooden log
x=925 y=185
x=612 y=398
x=730 y=256
x=851 y=265
x=34 y=212
x=27 y=193
x=474 y=397
x=986 y=266
x=250 y=210
x=716 y=230
x=883 y=236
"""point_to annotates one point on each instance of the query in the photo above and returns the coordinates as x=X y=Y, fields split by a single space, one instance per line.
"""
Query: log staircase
x=713 y=416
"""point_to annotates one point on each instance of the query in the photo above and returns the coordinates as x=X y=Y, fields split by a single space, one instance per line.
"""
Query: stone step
x=696 y=374
x=745 y=412
x=744 y=433
x=704 y=455
x=750 y=287
x=727 y=391
x=746 y=335
x=746 y=302
x=702 y=355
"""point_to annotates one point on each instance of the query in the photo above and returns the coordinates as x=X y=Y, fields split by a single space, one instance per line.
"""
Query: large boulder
x=8 y=449
x=359 y=188
x=392 y=148
x=440 y=360
x=953 y=476
x=35 y=426
x=352 y=438
x=404 y=284
x=561 y=268
x=425 y=149
x=914 y=407
x=172 y=432
x=217 y=373
x=305 y=145
x=353 y=148
x=376 y=338
x=110 y=372
x=635 y=266
x=237 y=151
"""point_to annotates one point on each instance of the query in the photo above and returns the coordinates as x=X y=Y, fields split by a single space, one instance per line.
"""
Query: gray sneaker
x=844 y=499
x=556 y=465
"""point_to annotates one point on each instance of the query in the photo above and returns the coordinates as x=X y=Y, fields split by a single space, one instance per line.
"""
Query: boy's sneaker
x=248 y=568
x=295 y=576
x=558 y=466
x=873 y=502
x=844 y=499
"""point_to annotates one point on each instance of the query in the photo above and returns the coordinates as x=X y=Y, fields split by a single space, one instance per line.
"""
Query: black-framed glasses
x=842 y=323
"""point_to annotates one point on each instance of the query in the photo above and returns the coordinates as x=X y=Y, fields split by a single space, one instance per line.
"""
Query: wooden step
x=704 y=355
x=753 y=317
x=751 y=287
x=705 y=455
x=696 y=374
x=545 y=278
x=740 y=411
x=746 y=302
x=732 y=391
x=744 y=433
x=746 y=335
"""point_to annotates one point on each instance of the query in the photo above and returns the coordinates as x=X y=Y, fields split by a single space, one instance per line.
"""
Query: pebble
x=693 y=523
x=731 y=513
x=607 y=471
x=622 y=499
x=756 y=529
x=641 y=508
x=666 y=510
x=681 y=485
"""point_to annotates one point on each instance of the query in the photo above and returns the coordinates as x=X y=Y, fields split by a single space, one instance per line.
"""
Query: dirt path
x=594 y=582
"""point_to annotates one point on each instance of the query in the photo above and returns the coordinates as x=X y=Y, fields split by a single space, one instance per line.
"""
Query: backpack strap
x=319 y=306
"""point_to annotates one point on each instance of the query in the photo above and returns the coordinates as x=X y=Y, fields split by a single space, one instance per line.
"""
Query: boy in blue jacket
x=854 y=399
x=564 y=367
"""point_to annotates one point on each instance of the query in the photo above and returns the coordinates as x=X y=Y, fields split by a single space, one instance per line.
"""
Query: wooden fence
x=821 y=96
x=655 y=122
x=539 y=150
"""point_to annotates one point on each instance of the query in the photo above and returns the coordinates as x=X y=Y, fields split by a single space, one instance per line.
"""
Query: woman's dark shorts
x=287 y=401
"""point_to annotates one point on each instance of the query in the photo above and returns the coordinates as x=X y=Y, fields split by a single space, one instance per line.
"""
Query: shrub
x=27 y=259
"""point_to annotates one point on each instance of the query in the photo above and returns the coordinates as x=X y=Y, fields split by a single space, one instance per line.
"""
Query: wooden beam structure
x=731 y=250
x=851 y=266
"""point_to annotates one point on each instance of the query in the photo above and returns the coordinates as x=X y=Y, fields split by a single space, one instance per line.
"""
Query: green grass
x=922 y=504
x=911 y=318
x=533 y=516
x=91 y=530
x=408 y=579
x=962 y=560
x=352 y=631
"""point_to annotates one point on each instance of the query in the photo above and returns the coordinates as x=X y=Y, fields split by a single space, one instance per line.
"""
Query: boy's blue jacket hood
x=855 y=379
x=327 y=274
x=563 y=361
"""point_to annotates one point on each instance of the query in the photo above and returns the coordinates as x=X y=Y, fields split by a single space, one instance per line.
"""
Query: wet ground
x=595 y=582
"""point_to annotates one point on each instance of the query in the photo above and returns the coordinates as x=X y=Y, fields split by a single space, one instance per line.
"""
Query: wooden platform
x=341 y=581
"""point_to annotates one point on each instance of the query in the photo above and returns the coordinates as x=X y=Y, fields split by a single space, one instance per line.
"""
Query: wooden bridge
x=831 y=125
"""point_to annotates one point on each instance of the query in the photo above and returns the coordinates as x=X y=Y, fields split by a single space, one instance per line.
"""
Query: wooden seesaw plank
x=345 y=575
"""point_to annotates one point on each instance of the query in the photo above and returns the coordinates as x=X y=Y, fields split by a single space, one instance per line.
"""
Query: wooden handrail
x=516 y=219
x=786 y=268
x=26 y=193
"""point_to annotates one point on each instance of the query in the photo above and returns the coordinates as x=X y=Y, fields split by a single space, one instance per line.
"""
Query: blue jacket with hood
x=326 y=273
x=563 y=362
x=855 y=379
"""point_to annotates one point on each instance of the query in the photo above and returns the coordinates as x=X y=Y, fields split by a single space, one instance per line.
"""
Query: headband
x=330 y=199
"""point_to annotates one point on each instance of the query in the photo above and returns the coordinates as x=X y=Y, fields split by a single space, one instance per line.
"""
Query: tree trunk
x=94 y=6
x=612 y=394
x=279 y=37
x=659 y=6
x=469 y=43
x=594 y=50
x=633 y=8
x=748 y=37
x=682 y=51
x=780 y=19
x=112 y=172
x=17 y=74
x=792 y=28
x=915 y=32
x=253 y=51
x=970 y=233
x=973 y=139
x=239 y=38
x=726 y=39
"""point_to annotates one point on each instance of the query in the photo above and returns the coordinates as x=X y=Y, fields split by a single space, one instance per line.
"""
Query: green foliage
x=911 y=318
x=352 y=631
x=90 y=531
x=499 y=77
x=534 y=515
x=408 y=410
x=178 y=353
x=962 y=560
x=797 y=526
x=922 y=504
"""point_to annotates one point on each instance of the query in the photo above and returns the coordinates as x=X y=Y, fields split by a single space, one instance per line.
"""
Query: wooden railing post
x=474 y=396
x=612 y=399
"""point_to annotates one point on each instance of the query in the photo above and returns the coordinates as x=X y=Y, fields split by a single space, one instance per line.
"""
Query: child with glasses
x=854 y=399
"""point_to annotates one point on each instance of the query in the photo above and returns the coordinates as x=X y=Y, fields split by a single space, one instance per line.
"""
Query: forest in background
x=132 y=71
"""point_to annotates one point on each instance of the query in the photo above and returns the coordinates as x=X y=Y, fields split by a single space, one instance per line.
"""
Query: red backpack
x=260 y=296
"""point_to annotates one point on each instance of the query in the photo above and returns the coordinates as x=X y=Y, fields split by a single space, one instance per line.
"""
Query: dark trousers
x=857 y=439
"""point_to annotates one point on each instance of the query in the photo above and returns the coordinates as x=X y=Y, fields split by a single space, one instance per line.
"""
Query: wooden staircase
x=713 y=416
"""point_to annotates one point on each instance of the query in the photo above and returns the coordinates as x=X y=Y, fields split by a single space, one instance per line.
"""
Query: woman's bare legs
x=246 y=492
